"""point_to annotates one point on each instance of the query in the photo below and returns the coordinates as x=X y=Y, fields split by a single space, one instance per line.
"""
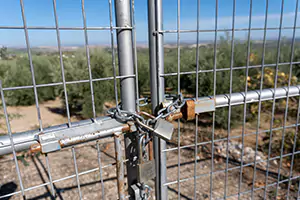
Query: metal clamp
x=193 y=107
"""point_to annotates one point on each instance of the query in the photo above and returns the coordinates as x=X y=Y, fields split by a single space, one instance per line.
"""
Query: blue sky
x=40 y=13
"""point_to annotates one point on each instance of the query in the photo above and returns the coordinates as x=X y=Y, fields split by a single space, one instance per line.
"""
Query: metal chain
x=125 y=116
x=143 y=125
x=171 y=108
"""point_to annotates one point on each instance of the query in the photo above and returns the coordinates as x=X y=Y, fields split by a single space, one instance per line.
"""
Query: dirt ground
x=34 y=168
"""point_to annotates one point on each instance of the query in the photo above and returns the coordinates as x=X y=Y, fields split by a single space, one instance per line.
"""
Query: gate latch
x=49 y=143
x=193 y=107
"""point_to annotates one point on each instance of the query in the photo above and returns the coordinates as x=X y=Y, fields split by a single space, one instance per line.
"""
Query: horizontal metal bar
x=80 y=132
x=63 y=28
x=226 y=30
x=128 y=28
x=255 y=96
x=228 y=69
x=67 y=82
x=88 y=130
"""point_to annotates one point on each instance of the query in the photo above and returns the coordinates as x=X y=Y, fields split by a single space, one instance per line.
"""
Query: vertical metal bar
x=11 y=140
x=287 y=101
x=245 y=101
x=152 y=54
x=65 y=91
x=294 y=150
x=274 y=100
x=35 y=89
x=160 y=50
x=87 y=50
x=214 y=95
x=154 y=78
x=230 y=92
x=119 y=165
x=76 y=172
x=260 y=97
x=126 y=67
x=197 y=94
x=61 y=62
x=178 y=92
x=31 y=65
x=50 y=176
x=100 y=170
x=112 y=40
x=160 y=145
x=135 y=55
x=124 y=40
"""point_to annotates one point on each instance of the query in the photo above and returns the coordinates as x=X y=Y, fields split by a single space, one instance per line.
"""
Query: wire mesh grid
x=58 y=179
x=203 y=161
x=213 y=171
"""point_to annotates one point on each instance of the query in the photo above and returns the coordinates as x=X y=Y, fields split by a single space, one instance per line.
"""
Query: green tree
x=3 y=52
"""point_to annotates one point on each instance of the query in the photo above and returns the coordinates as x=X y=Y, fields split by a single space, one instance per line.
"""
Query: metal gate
x=201 y=160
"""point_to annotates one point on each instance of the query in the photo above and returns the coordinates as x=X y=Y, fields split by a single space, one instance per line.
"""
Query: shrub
x=19 y=74
x=80 y=94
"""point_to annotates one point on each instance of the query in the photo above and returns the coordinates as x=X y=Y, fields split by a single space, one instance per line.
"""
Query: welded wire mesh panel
x=244 y=55
x=58 y=85
x=234 y=52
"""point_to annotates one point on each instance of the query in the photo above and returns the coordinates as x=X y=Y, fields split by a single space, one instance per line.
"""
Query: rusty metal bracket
x=193 y=107
x=56 y=140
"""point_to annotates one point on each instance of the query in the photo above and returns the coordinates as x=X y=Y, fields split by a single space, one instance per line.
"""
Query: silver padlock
x=146 y=171
x=146 y=167
x=163 y=129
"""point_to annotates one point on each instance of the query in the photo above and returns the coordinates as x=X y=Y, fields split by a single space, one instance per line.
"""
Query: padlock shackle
x=140 y=149
x=146 y=114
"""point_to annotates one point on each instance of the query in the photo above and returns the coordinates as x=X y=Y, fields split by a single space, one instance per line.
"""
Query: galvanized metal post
x=126 y=68
x=126 y=64
x=152 y=54
x=156 y=54
x=119 y=165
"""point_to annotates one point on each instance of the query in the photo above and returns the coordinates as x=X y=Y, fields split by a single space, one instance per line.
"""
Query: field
x=33 y=167
x=15 y=71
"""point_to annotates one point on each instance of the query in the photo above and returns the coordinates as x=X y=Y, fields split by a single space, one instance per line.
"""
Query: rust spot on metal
x=121 y=189
x=61 y=143
x=146 y=114
x=71 y=141
x=35 y=148
x=150 y=149
x=188 y=110
x=174 y=116
x=126 y=128
x=119 y=166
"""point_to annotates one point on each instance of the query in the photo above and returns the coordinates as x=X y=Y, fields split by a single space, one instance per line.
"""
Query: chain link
x=125 y=116
x=144 y=126
x=177 y=104
x=143 y=101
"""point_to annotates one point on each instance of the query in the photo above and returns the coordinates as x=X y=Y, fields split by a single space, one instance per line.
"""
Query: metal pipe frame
x=156 y=64
x=128 y=89
x=72 y=133
x=80 y=132
x=119 y=165
x=93 y=129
